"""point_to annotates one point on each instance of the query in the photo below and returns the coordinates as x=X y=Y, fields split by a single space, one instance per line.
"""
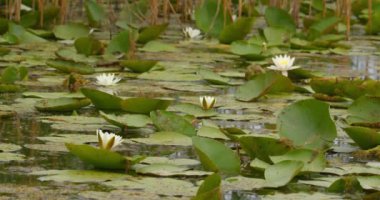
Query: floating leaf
x=346 y=185
x=213 y=78
x=365 y=111
x=143 y=105
x=307 y=123
x=210 y=189
x=263 y=147
x=215 y=156
x=194 y=110
x=161 y=169
x=12 y=74
x=95 y=12
x=282 y=173
x=263 y=84
x=168 y=121
x=21 y=35
x=210 y=19
x=165 y=138
x=365 y=138
x=127 y=120
x=322 y=26
x=158 y=46
x=211 y=132
x=139 y=66
x=102 y=100
x=152 y=32
x=71 y=31
x=88 y=46
x=236 y=31
x=70 y=66
x=99 y=158
x=313 y=161
x=279 y=18
x=61 y=104
x=122 y=42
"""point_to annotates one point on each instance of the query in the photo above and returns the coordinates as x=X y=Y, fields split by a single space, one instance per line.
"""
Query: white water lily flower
x=108 y=140
x=107 y=79
x=207 y=102
x=283 y=63
x=192 y=33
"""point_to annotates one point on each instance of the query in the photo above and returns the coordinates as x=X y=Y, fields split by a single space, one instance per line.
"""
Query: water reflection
x=240 y=195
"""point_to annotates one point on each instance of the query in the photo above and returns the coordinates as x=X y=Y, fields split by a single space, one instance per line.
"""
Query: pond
x=206 y=105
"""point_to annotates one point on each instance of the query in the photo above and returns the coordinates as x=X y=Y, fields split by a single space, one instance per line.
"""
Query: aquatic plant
x=283 y=63
x=108 y=140
x=191 y=33
x=207 y=102
x=107 y=79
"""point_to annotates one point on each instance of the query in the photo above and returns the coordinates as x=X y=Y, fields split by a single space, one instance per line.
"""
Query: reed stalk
x=348 y=18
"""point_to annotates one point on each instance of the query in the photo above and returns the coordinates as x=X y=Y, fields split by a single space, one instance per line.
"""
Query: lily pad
x=139 y=66
x=314 y=128
x=210 y=188
x=152 y=32
x=365 y=111
x=236 y=30
x=99 y=158
x=8 y=157
x=365 y=138
x=158 y=46
x=165 y=138
x=61 y=104
x=70 y=66
x=167 y=170
x=194 y=110
x=95 y=12
x=71 y=31
x=215 y=156
x=213 y=78
x=263 y=84
x=102 y=100
x=313 y=161
x=143 y=105
x=88 y=46
x=122 y=42
x=279 y=18
x=168 y=121
x=282 y=173
x=127 y=120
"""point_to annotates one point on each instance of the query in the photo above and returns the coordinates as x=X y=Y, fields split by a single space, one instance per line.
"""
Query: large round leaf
x=127 y=120
x=88 y=46
x=139 y=66
x=263 y=84
x=280 y=18
x=143 y=105
x=210 y=18
x=215 y=156
x=61 y=104
x=122 y=42
x=149 y=33
x=236 y=31
x=263 y=147
x=365 y=111
x=71 y=31
x=100 y=158
x=95 y=12
x=102 y=100
x=314 y=161
x=307 y=123
x=70 y=66
x=282 y=173
x=365 y=138
x=168 y=121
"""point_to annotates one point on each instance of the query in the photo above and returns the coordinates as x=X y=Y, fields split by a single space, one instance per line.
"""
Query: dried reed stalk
x=62 y=11
x=41 y=11
x=154 y=11
x=348 y=18
x=370 y=15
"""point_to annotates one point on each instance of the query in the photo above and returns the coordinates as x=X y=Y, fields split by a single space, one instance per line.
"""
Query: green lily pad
x=95 y=13
x=52 y=95
x=194 y=110
x=282 y=173
x=215 y=156
x=99 y=158
x=236 y=30
x=158 y=46
x=152 y=32
x=7 y=147
x=61 y=104
x=122 y=42
x=143 y=105
x=210 y=188
x=279 y=18
x=102 y=100
x=211 y=132
x=313 y=161
x=175 y=161
x=314 y=128
x=88 y=46
x=365 y=111
x=247 y=50
x=71 y=31
x=70 y=66
x=10 y=88
x=78 y=176
x=139 y=66
x=12 y=74
x=263 y=84
x=365 y=138
x=213 y=78
x=162 y=169
x=168 y=121
x=165 y=138
x=263 y=147
x=127 y=120
x=8 y=157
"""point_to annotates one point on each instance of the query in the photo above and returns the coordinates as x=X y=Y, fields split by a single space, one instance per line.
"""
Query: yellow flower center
x=284 y=62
